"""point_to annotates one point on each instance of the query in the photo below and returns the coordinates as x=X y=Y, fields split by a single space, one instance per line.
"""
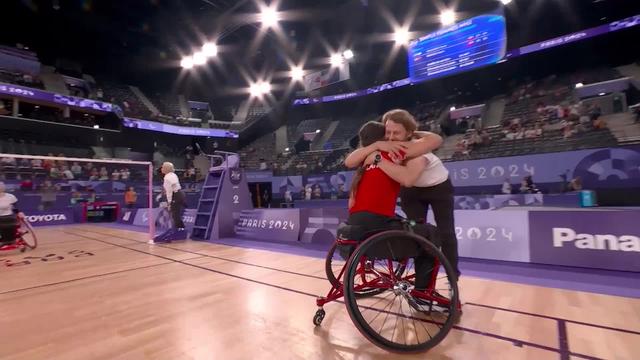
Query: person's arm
x=359 y=155
x=406 y=175
x=426 y=143
x=168 y=189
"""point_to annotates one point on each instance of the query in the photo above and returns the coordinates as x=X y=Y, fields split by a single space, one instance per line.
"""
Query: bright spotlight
x=602 y=94
x=505 y=2
x=269 y=17
x=265 y=88
x=187 y=62
x=348 y=54
x=210 y=49
x=336 y=60
x=259 y=89
x=297 y=73
x=199 y=58
x=447 y=17
x=579 y=85
x=318 y=131
x=452 y=108
x=401 y=36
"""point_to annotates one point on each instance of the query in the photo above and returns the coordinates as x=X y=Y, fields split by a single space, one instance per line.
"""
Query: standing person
x=175 y=196
x=433 y=187
x=130 y=197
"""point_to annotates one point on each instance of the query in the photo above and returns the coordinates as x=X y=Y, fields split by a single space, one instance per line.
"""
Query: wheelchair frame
x=382 y=283
x=18 y=241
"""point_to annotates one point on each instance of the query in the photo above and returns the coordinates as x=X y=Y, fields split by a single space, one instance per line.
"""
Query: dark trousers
x=415 y=203
x=178 y=203
x=7 y=229
x=423 y=262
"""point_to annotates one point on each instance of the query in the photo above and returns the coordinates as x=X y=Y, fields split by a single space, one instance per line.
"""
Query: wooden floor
x=105 y=294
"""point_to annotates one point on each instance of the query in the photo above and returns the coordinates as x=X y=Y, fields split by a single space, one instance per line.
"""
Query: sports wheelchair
x=22 y=235
x=375 y=272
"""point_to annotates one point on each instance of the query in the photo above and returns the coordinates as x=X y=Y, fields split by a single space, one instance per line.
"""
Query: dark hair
x=369 y=133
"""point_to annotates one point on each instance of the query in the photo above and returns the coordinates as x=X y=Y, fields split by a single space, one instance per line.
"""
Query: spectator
x=506 y=187
x=76 y=169
x=48 y=195
x=130 y=197
x=125 y=174
x=575 y=184
x=115 y=175
x=66 y=173
x=104 y=174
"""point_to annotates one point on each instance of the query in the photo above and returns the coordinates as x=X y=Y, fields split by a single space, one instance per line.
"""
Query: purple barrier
x=269 y=224
x=599 y=239
x=178 y=130
x=498 y=235
x=140 y=217
x=51 y=217
x=36 y=94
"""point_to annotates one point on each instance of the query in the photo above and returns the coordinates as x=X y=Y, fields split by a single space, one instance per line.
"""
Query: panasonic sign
x=565 y=236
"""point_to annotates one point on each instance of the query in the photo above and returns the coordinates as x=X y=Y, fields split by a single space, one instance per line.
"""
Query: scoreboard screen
x=466 y=45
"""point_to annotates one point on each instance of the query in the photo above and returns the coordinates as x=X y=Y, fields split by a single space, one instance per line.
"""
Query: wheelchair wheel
x=335 y=263
x=401 y=318
x=27 y=235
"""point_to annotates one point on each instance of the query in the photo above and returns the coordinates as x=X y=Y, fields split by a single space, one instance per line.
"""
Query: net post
x=152 y=223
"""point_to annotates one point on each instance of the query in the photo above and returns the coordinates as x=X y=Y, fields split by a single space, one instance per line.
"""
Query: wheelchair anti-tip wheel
x=401 y=318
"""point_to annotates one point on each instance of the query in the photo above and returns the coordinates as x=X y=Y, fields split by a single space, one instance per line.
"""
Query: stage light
x=318 y=131
x=297 y=73
x=254 y=90
x=401 y=36
x=579 y=85
x=96 y=126
x=265 y=88
x=348 y=54
x=452 y=108
x=269 y=17
x=187 y=62
x=260 y=88
x=199 y=58
x=602 y=94
x=210 y=49
x=505 y=2
x=447 y=17
x=336 y=60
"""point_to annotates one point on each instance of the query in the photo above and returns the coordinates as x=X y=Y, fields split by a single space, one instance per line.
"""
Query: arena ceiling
x=142 y=41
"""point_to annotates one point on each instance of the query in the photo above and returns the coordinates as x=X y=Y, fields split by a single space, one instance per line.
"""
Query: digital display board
x=469 y=44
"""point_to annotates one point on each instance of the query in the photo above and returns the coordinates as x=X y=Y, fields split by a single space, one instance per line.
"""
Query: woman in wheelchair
x=376 y=186
x=393 y=267
x=9 y=215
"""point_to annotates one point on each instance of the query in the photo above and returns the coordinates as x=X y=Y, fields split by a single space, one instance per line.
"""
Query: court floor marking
x=324 y=278
x=81 y=278
x=564 y=353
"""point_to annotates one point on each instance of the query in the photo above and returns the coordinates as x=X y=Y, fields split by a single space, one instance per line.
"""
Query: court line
x=563 y=340
x=554 y=318
x=82 y=278
x=219 y=258
x=324 y=278
x=515 y=342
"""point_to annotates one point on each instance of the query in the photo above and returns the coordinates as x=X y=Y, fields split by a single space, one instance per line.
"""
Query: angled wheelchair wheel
x=400 y=317
x=335 y=266
x=26 y=234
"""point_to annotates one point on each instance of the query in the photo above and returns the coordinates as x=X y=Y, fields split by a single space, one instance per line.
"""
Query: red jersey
x=376 y=192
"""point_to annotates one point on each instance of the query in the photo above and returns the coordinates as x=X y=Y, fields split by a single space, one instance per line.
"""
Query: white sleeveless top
x=434 y=174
